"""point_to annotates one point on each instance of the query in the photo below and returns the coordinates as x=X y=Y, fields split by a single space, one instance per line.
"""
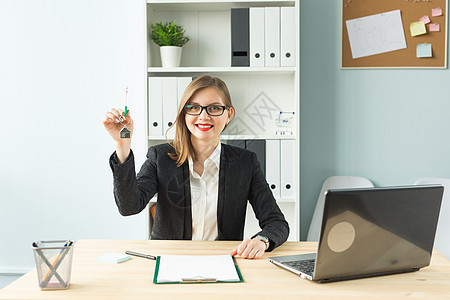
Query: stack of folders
x=263 y=37
x=164 y=96
x=276 y=158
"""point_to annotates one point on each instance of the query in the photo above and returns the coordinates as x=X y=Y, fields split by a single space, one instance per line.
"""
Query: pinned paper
x=425 y=19
x=434 y=27
x=376 y=34
x=436 y=12
x=417 y=28
x=424 y=50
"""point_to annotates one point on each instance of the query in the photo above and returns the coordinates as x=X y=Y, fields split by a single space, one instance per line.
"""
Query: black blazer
x=240 y=180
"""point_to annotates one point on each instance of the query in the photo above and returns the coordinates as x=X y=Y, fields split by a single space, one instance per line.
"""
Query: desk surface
x=263 y=280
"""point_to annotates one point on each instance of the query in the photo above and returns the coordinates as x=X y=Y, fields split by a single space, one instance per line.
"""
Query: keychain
x=125 y=133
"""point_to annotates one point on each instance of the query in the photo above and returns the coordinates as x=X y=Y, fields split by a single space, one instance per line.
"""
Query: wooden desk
x=263 y=280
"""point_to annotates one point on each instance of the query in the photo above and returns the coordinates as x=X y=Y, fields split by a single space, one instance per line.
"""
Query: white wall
x=63 y=64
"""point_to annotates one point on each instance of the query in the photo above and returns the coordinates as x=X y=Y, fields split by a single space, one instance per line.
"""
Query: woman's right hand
x=113 y=126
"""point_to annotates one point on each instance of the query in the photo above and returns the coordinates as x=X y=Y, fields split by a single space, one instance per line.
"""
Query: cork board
x=410 y=11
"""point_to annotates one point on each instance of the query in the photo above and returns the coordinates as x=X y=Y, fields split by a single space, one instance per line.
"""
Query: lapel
x=223 y=188
x=187 y=226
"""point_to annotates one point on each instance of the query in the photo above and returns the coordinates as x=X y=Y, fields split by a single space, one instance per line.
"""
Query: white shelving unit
x=221 y=70
x=209 y=52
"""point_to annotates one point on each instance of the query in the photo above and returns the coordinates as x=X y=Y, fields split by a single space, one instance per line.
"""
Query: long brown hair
x=182 y=141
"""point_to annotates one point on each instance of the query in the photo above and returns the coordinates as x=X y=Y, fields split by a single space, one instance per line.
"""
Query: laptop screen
x=377 y=230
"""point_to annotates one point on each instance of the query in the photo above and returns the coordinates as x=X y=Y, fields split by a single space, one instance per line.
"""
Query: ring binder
x=240 y=37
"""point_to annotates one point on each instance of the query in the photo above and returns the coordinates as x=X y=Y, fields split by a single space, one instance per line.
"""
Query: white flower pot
x=170 y=56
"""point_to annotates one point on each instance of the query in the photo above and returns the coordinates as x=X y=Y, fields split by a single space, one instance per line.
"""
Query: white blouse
x=204 y=195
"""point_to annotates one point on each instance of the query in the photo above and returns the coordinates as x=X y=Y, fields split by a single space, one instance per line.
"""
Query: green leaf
x=168 y=34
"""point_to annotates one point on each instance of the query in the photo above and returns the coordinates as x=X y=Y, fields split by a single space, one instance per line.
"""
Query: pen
x=141 y=255
x=55 y=261
x=126 y=108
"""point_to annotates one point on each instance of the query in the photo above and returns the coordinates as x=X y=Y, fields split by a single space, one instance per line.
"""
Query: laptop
x=370 y=232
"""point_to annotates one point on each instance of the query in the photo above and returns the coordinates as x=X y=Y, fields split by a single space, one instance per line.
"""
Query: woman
x=203 y=186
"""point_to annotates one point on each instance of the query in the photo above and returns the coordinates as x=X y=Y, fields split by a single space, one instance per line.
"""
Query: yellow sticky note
x=417 y=28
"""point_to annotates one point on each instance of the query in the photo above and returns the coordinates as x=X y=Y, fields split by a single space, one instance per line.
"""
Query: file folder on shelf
x=257 y=37
x=240 y=37
x=237 y=143
x=183 y=82
x=273 y=166
x=169 y=101
x=155 y=107
x=272 y=36
x=287 y=45
x=288 y=183
x=259 y=147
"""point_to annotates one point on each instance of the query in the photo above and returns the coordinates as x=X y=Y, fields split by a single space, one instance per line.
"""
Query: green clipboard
x=196 y=279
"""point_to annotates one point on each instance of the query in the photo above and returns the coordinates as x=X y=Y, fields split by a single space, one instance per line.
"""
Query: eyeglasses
x=212 y=110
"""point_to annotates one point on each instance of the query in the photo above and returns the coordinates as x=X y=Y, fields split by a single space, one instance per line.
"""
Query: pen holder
x=53 y=263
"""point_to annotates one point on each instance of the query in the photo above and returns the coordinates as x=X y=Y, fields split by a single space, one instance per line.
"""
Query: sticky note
x=436 y=12
x=417 y=28
x=425 y=19
x=434 y=27
x=112 y=258
x=424 y=50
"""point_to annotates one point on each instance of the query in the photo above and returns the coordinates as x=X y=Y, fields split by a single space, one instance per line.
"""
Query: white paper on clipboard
x=176 y=268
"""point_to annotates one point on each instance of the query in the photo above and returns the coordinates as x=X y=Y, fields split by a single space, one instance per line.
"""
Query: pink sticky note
x=436 y=12
x=425 y=19
x=434 y=27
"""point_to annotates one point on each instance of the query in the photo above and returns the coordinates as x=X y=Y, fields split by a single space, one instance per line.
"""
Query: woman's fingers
x=255 y=253
x=111 y=117
x=114 y=122
x=249 y=249
x=117 y=115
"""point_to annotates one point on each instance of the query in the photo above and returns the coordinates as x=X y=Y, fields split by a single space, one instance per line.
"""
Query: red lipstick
x=203 y=126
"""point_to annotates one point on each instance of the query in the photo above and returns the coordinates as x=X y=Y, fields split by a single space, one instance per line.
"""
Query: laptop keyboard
x=304 y=266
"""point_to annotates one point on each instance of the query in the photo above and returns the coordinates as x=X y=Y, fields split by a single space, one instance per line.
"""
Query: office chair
x=152 y=208
x=441 y=242
x=333 y=182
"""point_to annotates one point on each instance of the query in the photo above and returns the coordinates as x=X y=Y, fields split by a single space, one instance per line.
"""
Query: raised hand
x=114 y=122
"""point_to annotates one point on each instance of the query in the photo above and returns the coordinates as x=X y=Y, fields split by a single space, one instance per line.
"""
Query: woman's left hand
x=250 y=248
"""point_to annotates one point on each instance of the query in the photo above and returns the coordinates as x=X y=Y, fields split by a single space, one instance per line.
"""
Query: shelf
x=204 y=5
x=267 y=2
x=236 y=137
x=256 y=137
x=222 y=70
x=285 y=200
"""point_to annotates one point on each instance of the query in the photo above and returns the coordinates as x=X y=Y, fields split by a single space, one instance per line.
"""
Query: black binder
x=240 y=37
x=259 y=147
x=237 y=143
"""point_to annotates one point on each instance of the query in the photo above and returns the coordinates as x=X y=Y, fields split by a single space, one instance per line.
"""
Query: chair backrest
x=333 y=182
x=442 y=241
x=152 y=208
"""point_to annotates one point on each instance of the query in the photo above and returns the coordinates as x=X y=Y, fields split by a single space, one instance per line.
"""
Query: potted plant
x=170 y=37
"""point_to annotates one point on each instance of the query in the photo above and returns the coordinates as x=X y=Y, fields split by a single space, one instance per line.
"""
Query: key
x=125 y=133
